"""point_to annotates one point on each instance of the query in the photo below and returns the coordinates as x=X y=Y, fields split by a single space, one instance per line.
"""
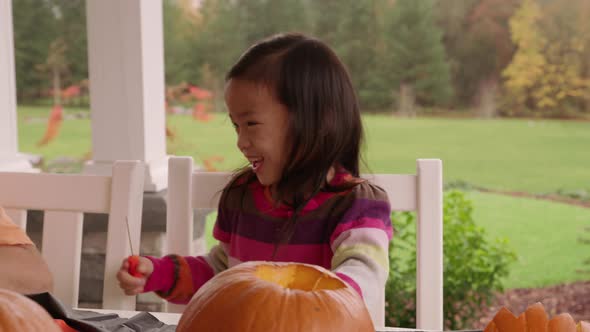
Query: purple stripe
x=224 y=219
x=266 y=229
x=251 y=250
x=367 y=208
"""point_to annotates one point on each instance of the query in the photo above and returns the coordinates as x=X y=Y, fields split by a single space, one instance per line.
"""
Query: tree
x=56 y=66
x=477 y=37
x=279 y=16
x=326 y=17
x=489 y=37
x=527 y=66
x=563 y=85
x=452 y=18
x=71 y=26
x=218 y=42
x=181 y=24
x=584 y=29
x=227 y=28
x=415 y=55
x=545 y=75
x=34 y=29
x=353 y=29
x=42 y=29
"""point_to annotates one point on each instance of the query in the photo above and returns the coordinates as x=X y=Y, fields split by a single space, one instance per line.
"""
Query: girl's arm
x=177 y=278
x=360 y=244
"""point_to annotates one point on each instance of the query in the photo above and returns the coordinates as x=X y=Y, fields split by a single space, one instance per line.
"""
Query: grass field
x=73 y=141
x=519 y=155
x=544 y=235
x=522 y=155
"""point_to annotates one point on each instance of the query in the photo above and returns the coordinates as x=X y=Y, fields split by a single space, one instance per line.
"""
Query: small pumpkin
x=278 y=297
x=534 y=319
x=19 y=313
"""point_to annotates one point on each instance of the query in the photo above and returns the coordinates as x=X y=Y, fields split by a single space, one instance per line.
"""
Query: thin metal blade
x=129 y=235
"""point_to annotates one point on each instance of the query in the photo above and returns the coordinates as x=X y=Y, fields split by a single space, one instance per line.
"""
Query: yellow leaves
x=526 y=67
x=544 y=72
x=523 y=29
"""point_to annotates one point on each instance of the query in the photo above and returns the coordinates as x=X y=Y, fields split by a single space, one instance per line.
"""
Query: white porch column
x=126 y=68
x=10 y=158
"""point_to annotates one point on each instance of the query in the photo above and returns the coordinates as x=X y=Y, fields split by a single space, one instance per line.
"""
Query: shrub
x=473 y=266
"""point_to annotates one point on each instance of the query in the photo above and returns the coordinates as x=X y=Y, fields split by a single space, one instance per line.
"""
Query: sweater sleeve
x=360 y=243
x=177 y=278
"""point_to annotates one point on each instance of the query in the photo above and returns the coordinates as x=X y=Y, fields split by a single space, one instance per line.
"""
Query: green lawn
x=545 y=236
x=533 y=156
x=74 y=139
x=523 y=155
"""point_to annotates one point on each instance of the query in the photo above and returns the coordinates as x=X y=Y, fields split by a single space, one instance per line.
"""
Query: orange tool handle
x=133 y=263
x=63 y=326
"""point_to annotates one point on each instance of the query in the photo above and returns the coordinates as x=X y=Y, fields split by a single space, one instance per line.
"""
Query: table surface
x=173 y=318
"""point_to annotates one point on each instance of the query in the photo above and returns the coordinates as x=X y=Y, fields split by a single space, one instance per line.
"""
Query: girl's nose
x=243 y=142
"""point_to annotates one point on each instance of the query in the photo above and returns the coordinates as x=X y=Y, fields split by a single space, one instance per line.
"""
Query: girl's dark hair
x=325 y=129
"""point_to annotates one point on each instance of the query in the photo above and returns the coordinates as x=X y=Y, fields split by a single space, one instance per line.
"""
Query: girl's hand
x=134 y=273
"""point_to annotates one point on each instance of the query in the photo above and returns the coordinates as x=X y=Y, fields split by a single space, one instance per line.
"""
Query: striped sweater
x=347 y=232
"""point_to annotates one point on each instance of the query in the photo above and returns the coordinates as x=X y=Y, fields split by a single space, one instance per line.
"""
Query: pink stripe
x=220 y=235
x=246 y=249
x=351 y=282
x=201 y=271
x=364 y=222
x=162 y=277
x=264 y=205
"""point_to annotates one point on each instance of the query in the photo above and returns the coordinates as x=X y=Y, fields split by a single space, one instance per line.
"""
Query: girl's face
x=261 y=123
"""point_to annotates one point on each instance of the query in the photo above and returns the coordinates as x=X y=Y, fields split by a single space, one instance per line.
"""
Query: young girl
x=298 y=124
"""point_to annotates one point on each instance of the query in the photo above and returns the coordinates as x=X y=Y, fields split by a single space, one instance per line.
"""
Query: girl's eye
x=251 y=123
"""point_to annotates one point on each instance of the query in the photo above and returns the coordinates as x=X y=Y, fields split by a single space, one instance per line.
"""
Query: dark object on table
x=88 y=321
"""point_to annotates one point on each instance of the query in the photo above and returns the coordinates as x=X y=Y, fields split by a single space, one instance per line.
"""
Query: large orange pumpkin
x=534 y=319
x=19 y=313
x=278 y=297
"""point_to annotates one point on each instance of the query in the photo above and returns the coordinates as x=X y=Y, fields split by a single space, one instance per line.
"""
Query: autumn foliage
x=546 y=74
x=209 y=163
x=53 y=125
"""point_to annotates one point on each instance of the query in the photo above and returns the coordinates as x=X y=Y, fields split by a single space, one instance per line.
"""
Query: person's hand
x=141 y=267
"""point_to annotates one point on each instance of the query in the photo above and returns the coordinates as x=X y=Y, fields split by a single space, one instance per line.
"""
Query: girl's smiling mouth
x=256 y=163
